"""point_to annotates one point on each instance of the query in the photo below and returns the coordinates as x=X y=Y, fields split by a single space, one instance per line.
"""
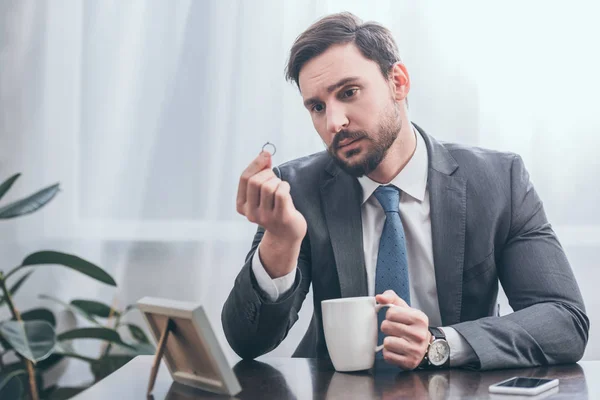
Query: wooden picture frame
x=188 y=345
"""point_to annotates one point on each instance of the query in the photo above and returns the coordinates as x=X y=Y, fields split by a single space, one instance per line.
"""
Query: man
x=389 y=211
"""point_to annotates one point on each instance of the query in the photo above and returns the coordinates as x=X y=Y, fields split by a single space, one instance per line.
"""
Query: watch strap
x=437 y=333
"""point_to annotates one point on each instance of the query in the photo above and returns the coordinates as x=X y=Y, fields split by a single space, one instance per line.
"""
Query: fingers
x=283 y=198
x=261 y=162
x=267 y=197
x=402 y=347
x=407 y=336
x=407 y=316
x=264 y=199
x=390 y=297
x=412 y=333
x=254 y=188
x=274 y=198
x=267 y=193
x=404 y=361
x=403 y=313
x=402 y=352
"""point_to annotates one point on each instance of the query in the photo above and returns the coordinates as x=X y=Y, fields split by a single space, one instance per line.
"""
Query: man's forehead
x=336 y=63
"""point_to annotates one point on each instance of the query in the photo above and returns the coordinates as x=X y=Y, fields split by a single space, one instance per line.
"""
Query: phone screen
x=524 y=382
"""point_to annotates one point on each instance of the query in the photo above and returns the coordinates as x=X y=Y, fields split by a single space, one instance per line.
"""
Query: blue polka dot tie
x=392 y=263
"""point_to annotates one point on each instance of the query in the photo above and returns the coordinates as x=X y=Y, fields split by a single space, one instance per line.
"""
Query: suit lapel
x=448 y=210
x=341 y=196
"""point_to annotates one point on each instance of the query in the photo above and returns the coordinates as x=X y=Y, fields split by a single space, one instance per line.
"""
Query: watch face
x=439 y=351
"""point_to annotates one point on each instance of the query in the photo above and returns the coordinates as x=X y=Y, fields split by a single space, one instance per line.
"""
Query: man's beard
x=389 y=129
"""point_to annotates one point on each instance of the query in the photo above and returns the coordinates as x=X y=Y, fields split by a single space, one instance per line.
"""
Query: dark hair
x=374 y=41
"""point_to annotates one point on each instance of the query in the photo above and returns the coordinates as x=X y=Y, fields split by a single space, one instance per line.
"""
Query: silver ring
x=270 y=144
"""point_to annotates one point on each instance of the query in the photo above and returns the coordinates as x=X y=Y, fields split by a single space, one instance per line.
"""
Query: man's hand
x=407 y=332
x=265 y=199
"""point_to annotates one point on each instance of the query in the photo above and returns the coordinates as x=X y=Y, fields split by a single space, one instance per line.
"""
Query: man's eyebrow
x=331 y=88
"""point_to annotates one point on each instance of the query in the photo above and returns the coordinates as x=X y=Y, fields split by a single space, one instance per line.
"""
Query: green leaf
x=6 y=185
x=11 y=386
x=31 y=315
x=109 y=364
x=33 y=340
x=70 y=261
x=16 y=286
x=74 y=309
x=94 y=308
x=138 y=333
x=78 y=357
x=109 y=335
x=49 y=362
x=40 y=314
x=29 y=204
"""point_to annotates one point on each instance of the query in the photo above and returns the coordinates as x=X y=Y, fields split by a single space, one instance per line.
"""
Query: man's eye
x=318 y=108
x=349 y=93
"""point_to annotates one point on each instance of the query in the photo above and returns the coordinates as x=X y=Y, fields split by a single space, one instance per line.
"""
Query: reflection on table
x=295 y=378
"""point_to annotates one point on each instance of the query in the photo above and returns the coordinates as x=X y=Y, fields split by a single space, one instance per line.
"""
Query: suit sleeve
x=549 y=325
x=253 y=323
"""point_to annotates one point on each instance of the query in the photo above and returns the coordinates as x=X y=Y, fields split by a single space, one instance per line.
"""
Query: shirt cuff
x=461 y=352
x=273 y=288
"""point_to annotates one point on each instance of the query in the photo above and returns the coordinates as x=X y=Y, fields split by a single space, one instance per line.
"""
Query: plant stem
x=113 y=308
x=11 y=305
x=32 y=383
x=109 y=346
x=12 y=271
x=16 y=315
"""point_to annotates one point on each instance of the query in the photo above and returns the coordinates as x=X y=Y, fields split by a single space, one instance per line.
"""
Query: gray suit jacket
x=488 y=225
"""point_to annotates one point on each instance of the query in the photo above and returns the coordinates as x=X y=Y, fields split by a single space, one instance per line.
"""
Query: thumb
x=390 y=297
x=386 y=297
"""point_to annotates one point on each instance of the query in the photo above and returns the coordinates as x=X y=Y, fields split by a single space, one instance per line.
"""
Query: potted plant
x=31 y=335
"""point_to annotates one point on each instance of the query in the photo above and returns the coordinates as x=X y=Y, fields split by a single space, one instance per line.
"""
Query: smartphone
x=524 y=386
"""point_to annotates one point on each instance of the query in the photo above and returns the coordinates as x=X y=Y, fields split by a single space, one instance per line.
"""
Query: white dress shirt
x=415 y=216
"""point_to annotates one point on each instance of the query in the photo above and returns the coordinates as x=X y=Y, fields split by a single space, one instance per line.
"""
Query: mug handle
x=378 y=307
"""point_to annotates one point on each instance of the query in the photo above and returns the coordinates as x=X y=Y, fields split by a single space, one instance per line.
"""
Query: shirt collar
x=412 y=179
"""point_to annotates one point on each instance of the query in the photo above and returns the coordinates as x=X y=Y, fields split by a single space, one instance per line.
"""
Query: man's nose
x=336 y=120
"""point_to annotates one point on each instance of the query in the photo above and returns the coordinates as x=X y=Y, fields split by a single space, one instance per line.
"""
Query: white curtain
x=147 y=111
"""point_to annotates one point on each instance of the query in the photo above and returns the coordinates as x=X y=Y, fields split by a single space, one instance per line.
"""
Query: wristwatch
x=438 y=351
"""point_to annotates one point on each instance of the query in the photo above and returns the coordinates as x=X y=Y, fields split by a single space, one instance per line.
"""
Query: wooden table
x=296 y=378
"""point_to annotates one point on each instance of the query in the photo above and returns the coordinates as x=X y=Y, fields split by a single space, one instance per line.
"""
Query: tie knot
x=388 y=197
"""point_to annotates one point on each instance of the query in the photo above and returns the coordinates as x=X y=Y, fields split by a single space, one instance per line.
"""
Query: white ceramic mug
x=351 y=329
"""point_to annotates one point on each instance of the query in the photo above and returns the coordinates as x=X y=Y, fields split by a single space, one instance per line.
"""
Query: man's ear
x=399 y=81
